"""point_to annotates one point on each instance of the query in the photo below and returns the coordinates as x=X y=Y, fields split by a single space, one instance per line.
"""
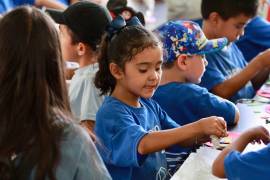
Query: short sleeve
x=85 y=99
x=248 y=166
x=120 y=135
x=91 y=101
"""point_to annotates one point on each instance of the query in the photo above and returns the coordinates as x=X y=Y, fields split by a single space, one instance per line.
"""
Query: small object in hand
x=225 y=140
x=215 y=141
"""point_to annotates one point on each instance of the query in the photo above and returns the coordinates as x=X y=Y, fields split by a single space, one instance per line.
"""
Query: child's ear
x=116 y=71
x=214 y=18
x=181 y=62
x=81 y=49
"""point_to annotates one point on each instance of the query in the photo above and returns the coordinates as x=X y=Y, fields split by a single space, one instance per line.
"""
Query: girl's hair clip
x=119 y=23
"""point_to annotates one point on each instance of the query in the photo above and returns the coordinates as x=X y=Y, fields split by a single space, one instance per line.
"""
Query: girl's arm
x=185 y=136
x=255 y=134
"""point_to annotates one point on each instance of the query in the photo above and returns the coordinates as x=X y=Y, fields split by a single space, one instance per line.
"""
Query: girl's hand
x=257 y=134
x=213 y=126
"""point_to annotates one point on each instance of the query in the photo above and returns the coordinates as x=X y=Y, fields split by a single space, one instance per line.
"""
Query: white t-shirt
x=84 y=96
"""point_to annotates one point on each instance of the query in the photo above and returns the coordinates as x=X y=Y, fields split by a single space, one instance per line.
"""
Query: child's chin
x=147 y=96
x=198 y=81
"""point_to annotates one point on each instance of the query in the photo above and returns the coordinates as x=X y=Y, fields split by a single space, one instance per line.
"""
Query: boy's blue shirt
x=256 y=38
x=186 y=103
x=248 y=166
x=120 y=128
x=224 y=64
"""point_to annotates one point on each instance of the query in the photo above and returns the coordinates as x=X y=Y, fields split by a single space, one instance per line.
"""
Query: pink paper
x=267 y=109
x=231 y=135
x=264 y=92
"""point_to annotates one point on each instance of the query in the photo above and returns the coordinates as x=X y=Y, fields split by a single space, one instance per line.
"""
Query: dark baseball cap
x=86 y=20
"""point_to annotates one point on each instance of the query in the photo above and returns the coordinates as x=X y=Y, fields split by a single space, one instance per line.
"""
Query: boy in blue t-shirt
x=184 y=46
x=235 y=165
x=228 y=74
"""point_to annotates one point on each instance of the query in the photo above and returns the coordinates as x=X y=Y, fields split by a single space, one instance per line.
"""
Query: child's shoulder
x=113 y=106
x=175 y=88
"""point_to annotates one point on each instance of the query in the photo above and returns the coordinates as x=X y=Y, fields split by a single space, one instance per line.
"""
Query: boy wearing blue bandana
x=185 y=46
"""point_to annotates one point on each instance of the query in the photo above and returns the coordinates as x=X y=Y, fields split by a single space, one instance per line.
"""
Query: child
x=81 y=27
x=185 y=46
x=184 y=63
x=234 y=165
x=37 y=137
x=132 y=127
x=227 y=74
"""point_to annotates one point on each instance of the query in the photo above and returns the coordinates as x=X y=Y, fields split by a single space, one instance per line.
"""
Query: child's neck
x=87 y=59
x=126 y=97
x=170 y=75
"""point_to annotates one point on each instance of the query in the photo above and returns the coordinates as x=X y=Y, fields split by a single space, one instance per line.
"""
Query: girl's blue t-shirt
x=120 y=128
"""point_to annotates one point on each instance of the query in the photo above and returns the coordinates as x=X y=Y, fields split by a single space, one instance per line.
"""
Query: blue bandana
x=186 y=37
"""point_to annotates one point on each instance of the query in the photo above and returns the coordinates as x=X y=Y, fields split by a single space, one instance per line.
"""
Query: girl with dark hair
x=132 y=127
x=37 y=137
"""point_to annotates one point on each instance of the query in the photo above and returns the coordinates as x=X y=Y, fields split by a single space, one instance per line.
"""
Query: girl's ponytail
x=104 y=79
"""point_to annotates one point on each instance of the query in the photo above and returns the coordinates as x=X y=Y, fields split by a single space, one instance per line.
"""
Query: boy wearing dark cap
x=184 y=49
x=81 y=28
